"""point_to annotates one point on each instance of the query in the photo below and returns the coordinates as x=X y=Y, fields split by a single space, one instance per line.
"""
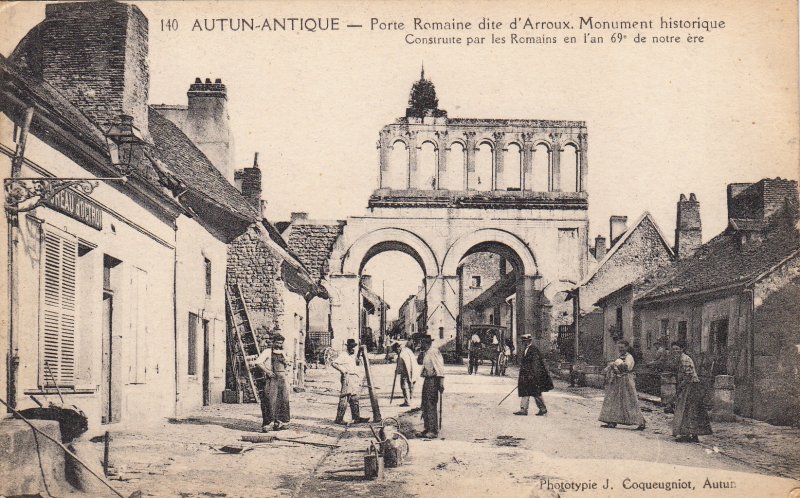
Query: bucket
x=373 y=463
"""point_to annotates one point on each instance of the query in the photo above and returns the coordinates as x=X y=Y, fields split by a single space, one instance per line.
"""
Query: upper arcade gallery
x=426 y=150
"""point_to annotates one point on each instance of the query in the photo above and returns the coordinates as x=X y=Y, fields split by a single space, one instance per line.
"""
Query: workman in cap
x=347 y=364
x=533 y=378
x=274 y=389
x=432 y=387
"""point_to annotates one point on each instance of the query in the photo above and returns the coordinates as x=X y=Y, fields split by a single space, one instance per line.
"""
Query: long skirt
x=275 y=401
x=691 y=417
x=621 y=404
x=430 y=405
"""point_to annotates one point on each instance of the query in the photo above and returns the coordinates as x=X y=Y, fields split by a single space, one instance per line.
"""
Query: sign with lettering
x=75 y=206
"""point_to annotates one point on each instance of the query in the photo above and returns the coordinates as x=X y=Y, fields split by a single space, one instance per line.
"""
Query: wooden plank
x=373 y=399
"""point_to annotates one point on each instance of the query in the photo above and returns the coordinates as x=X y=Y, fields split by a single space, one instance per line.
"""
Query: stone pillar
x=498 y=178
x=441 y=160
x=722 y=407
x=583 y=164
x=344 y=309
x=528 y=313
x=470 y=153
x=383 y=152
x=527 y=161
x=413 y=147
x=668 y=391
x=555 y=164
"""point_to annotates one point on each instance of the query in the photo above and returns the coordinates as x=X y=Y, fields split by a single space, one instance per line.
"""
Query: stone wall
x=642 y=252
x=257 y=270
x=95 y=54
x=777 y=356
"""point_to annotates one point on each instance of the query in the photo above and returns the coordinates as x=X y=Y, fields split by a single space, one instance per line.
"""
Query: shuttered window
x=58 y=309
x=191 y=352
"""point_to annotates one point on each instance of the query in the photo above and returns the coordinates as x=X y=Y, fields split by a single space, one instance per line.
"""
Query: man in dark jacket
x=533 y=378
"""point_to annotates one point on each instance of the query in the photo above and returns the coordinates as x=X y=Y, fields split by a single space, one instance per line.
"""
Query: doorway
x=109 y=385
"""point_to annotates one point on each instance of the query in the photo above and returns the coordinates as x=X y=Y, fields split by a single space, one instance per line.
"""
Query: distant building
x=634 y=252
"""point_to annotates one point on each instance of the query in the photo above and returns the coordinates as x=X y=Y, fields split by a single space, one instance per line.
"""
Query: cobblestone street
x=483 y=449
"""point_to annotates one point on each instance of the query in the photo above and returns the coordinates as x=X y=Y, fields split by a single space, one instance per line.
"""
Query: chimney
x=251 y=183
x=599 y=247
x=208 y=124
x=761 y=200
x=298 y=216
x=95 y=54
x=618 y=225
x=688 y=230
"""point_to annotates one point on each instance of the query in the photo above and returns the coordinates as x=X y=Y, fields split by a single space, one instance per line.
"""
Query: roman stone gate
x=451 y=187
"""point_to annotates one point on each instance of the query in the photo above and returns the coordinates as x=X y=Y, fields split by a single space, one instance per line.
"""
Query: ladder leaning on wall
x=246 y=344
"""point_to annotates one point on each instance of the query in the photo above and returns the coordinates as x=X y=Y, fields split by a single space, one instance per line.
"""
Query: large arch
x=388 y=239
x=484 y=237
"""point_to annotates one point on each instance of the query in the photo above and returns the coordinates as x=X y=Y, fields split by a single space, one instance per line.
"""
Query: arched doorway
x=390 y=270
x=497 y=275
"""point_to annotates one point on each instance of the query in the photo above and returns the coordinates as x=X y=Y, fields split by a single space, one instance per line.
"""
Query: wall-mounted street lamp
x=122 y=139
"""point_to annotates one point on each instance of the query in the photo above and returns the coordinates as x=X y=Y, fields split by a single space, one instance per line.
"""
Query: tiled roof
x=725 y=262
x=312 y=243
x=171 y=157
x=194 y=169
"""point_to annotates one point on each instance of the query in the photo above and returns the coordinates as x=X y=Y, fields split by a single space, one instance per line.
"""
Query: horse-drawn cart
x=490 y=347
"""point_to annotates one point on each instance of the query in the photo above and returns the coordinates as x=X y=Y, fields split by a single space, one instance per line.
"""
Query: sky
x=662 y=119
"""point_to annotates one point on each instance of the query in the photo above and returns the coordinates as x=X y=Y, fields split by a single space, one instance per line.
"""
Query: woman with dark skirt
x=691 y=418
x=621 y=404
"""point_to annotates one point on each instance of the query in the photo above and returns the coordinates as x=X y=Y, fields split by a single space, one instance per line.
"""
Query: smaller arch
x=387 y=239
x=462 y=143
x=429 y=141
x=485 y=141
x=544 y=142
x=461 y=247
x=571 y=142
x=402 y=140
x=516 y=142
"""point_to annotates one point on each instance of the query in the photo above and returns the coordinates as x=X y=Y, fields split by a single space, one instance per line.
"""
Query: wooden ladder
x=246 y=341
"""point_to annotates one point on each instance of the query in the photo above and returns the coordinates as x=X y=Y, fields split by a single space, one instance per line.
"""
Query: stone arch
x=424 y=176
x=454 y=174
x=570 y=167
x=482 y=179
x=388 y=239
x=487 y=236
x=398 y=167
x=459 y=141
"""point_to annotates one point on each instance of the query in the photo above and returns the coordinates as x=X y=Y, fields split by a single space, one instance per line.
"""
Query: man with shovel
x=432 y=388
x=347 y=364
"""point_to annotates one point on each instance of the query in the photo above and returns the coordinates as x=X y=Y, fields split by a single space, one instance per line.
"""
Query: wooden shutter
x=138 y=326
x=58 y=309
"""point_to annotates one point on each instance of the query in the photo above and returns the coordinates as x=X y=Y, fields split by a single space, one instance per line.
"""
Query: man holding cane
x=432 y=388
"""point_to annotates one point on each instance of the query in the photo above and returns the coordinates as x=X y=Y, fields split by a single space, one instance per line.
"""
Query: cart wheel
x=328 y=355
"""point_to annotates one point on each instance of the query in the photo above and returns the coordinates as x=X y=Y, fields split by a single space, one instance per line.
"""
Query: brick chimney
x=208 y=123
x=95 y=54
x=688 y=230
x=249 y=182
x=599 y=247
x=617 y=226
x=760 y=200
x=298 y=216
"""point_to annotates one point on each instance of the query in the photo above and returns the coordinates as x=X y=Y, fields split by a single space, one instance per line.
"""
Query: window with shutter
x=58 y=309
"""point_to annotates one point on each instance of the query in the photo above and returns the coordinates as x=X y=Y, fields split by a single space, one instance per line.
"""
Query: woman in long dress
x=691 y=418
x=621 y=404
